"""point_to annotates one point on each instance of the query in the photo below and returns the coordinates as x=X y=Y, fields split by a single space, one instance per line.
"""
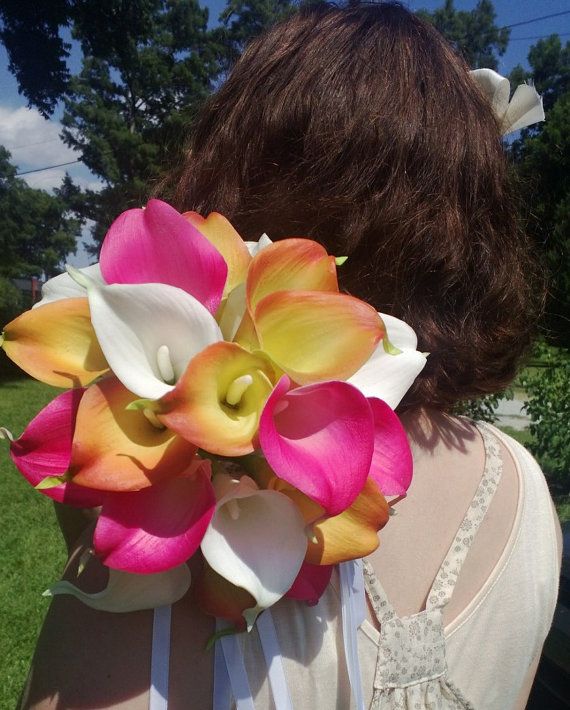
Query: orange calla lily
x=56 y=344
x=290 y=265
x=317 y=336
x=116 y=449
x=220 y=233
x=353 y=533
x=217 y=402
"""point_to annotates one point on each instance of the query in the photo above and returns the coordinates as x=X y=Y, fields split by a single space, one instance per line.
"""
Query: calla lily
x=43 y=453
x=158 y=245
x=120 y=449
x=310 y=583
x=353 y=533
x=63 y=286
x=290 y=265
x=219 y=232
x=315 y=336
x=131 y=592
x=255 y=247
x=218 y=597
x=148 y=332
x=388 y=376
x=319 y=439
x=157 y=528
x=218 y=400
x=56 y=344
x=392 y=465
x=256 y=541
x=524 y=108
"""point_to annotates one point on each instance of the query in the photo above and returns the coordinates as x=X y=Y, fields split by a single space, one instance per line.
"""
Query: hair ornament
x=525 y=107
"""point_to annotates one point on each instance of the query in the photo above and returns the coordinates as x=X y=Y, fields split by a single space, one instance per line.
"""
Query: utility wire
x=564 y=34
x=48 y=167
x=535 y=19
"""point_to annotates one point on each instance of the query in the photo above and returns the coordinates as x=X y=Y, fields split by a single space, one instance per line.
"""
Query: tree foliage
x=549 y=408
x=36 y=231
x=473 y=32
x=542 y=158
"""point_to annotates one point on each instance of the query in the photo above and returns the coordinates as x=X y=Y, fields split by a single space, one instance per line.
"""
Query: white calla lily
x=148 y=332
x=131 y=592
x=63 y=286
x=255 y=247
x=386 y=376
x=233 y=312
x=256 y=540
x=525 y=107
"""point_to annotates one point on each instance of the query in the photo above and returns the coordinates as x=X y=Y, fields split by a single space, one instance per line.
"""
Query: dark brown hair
x=360 y=127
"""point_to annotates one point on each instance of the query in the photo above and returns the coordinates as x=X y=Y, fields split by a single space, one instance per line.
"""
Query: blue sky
x=35 y=143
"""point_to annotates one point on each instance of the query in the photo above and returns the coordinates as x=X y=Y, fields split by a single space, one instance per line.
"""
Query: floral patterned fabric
x=411 y=668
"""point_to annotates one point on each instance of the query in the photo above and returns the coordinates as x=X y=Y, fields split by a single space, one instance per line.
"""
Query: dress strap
x=379 y=601
x=160 y=658
x=446 y=578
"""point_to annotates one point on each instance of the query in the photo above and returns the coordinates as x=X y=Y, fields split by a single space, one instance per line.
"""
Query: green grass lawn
x=32 y=551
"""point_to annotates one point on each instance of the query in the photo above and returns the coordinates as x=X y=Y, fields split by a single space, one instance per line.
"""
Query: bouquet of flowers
x=221 y=395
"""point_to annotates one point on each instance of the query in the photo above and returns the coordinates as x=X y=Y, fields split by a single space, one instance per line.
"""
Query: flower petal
x=131 y=592
x=63 y=286
x=156 y=528
x=316 y=336
x=319 y=438
x=218 y=597
x=525 y=108
x=256 y=540
x=198 y=410
x=255 y=247
x=117 y=449
x=291 y=264
x=157 y=245
x=353 y=533
x=388 y=377
x=496 y=88
x=310 y=583
x=56 y=344
x=44 y=450
x=392 y=466
x=219 y=232
x=134 y=322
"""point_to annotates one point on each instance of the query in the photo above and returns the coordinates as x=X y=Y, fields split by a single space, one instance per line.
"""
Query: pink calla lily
x=44 y=451
x=159 y=527
x=392 y=465
x=158 y=245
x=319 y=438
x=310 y=583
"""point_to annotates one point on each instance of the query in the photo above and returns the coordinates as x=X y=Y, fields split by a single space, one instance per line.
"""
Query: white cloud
x=33 y=141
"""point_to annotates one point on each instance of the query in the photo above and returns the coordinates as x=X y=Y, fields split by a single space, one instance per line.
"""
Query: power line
x=48 y=167
x=516 y=39
x=27 y=145
x=535 y=19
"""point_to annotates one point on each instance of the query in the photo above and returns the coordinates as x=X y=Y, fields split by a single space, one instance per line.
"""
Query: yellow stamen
x=233 y=508
x=237 y=388
x=164 y=364
x=152 y=418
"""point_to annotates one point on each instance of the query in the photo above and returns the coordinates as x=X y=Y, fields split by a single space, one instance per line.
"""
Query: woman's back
x=505 y=592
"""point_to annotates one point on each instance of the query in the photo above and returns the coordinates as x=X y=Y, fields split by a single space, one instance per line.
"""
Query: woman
x=362 y=129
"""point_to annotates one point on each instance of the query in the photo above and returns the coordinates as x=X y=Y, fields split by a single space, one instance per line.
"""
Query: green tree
x=36 y=231
x=542 y=158
x=147 y=66
x=473 y=32
x=549 y=408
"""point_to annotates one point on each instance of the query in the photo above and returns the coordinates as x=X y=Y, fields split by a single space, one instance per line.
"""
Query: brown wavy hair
x=360 y=127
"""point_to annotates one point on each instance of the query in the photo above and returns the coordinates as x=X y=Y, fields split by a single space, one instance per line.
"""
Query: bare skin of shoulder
x=90 y=659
